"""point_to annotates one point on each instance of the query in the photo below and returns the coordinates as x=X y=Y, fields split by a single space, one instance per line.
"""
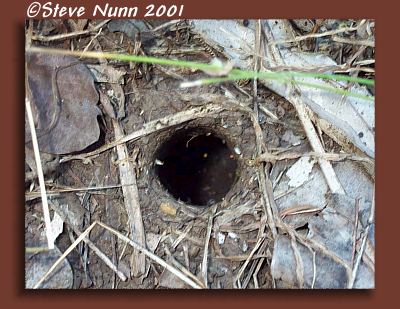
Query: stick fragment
x=42 y=185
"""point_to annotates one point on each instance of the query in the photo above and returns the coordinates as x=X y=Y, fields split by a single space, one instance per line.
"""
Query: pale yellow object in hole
x=168 y=209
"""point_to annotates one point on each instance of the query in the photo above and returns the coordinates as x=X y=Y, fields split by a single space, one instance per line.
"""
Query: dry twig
x=154 y=126
x=135 y=245
x=363 y=245
x=318 y=35
x=326 y=167
x=205 y=255
x=39 y=168
x=69 y=35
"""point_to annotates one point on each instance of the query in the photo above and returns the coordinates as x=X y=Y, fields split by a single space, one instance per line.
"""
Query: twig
x=257 y=62
x=308 y=242
x=204 y=264
x=299 y=210
x=70 y=248
x=260 y=243
x=91 y=41
x=135 y=245
x=131 y=201
x=241 y=258
x=165 y=25
x=184 y=269
x=249 y=258
x=260 y=262
x=91 y=245
x=265 y=184
x=154 y=126
x=317 y=35
x=68 y=35
x=152 y=256
x=123 y=248
x=36 y=151
x=339 y=39
x=363 y=244
x=356 y=207
x=268 y=157
x=314 y=269
x=250 y=273
x=181 y=236
x=31 y=195
x=254 y=263
x=299 y=261
x=268 y=112
x=195 y=241
x=326 y=167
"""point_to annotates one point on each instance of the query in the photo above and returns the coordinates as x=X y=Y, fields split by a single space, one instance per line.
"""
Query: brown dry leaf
x=64 y=100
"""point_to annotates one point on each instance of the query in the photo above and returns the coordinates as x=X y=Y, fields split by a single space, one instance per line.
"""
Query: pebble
x=221 y=238
x=233 y=236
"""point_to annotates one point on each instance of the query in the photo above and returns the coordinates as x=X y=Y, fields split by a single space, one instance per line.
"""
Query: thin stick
x=154 y=126
x=152 y=256
x=36 y=151
x=363 y=244
x=68 y=35
x=308 y=242
x=66 y=218
x=167 y=24
x=127 y=174
x=181 y=236
x=326 y=167
x=257 y=47
x=102 y=256
x=62 y=257
x=353 y=253
x=183 y=269
x=317 y=35
x=91 y=41
x=99 y=188
x=205 y=255
x=268 y=157
x=368 y=43
x=299 y=261
x=249 y=258
x=260 y=262
x=241 y=258
x=314 y=270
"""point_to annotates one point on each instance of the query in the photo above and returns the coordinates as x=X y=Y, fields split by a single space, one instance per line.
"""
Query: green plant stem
x=234 y=74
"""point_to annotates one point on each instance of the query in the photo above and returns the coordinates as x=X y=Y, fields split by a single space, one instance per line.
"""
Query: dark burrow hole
x=196 y=166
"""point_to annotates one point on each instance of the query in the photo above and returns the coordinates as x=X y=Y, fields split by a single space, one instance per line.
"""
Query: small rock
x=221 y=238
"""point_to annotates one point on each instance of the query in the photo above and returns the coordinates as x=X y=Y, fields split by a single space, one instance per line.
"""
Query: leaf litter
x=320 y=238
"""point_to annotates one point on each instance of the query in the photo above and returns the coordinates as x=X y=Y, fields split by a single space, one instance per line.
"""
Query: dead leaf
x=64 y=100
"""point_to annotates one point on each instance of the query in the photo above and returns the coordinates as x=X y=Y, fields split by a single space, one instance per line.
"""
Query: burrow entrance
x=196 y=166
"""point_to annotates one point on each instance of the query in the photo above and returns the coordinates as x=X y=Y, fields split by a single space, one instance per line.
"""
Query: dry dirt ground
x=189 y=175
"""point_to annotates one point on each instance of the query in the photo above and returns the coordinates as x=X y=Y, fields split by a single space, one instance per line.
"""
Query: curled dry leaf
x=64 y=100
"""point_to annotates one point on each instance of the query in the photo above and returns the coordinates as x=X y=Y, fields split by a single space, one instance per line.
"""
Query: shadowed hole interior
x=196 y=167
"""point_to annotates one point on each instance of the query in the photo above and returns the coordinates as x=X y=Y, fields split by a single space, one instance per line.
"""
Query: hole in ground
x=196 y=167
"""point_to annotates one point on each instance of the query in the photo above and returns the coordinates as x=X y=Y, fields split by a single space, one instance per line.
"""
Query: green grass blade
x=235 y=74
